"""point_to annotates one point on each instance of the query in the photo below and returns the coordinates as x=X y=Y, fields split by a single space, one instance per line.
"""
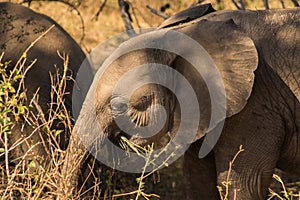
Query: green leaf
x=34 y=189
x=7 y=63
x=7 y=130
x=16 y=77
x=22 y=95
x=62 y=116
x=22 y=109
x=31 y=164
x=5 y=110
x=116 y=191
x=45 y=129
x=57 y=132
x=2 y=150
x=13 y=102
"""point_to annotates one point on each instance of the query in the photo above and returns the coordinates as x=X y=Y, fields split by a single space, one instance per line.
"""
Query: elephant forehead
x=106 y=90
x=148 y=90
x=133 y=75
x=121 y=77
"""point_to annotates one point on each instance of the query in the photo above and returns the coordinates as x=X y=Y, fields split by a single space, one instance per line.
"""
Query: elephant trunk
x=76 y=154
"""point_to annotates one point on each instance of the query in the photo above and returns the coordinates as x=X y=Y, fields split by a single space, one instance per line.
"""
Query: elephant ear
x=188 y=15
x=235 y=56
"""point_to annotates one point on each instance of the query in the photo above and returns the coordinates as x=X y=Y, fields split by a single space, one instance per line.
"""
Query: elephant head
x=133 y=93
x=130 y=88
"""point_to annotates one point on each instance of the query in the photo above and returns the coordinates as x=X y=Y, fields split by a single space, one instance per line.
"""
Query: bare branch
x=295 y=2
x=241 y=6
x=124 y=10
x=266 y=3
x=236 y=4
x=160 y=14
x=100 y=9
x=134 y=15
x=282 y=3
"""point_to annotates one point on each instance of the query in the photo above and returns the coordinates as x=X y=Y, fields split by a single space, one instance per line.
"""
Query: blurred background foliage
x=91 y=22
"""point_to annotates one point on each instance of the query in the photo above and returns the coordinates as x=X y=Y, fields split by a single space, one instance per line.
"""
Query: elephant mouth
x=138 y=140
x=118 y=136
x=156 y=142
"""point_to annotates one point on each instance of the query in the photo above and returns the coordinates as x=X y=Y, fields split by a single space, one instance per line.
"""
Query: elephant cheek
x=156 y=138
x=163 y=136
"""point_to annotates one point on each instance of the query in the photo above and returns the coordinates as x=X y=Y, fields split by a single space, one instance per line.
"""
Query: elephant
x=256 y=54
x=20 y=27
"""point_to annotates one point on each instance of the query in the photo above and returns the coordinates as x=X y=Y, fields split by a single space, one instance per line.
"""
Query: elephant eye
x=118 y=106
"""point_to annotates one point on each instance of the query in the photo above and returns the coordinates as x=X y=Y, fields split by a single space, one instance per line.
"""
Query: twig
x=100 y=9
x=230 y=168
x=160 y=14
x=6 y=156
x=241 y=6
x=228 y=182
x=124 y=10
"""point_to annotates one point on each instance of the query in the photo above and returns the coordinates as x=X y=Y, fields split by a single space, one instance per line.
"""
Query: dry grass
x=225 y=187
x=285 y=193
x=30 y=176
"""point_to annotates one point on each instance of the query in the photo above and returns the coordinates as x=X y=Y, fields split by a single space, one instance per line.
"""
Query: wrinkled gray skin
x=258 y=56
x=20 y=27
